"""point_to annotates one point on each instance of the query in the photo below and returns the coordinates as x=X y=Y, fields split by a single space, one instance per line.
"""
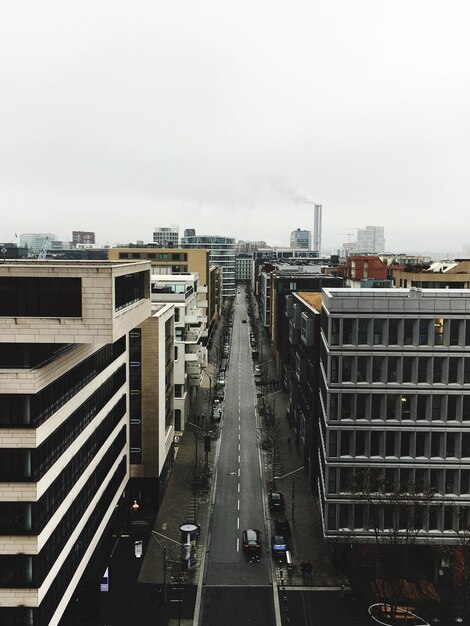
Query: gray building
x=243 y=268
x=371 y=240
x=395 y=402
x=166 y=236
x=301 y=239
x=35 y=241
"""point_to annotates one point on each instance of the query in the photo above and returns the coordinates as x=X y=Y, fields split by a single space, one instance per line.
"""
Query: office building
x=64 y=420
x=394 y=395
x=166 y=236
x=35 y=241
x=83 y=237
x=300 y=239
x=222 y=252
x=370 y=240
x=243 y=268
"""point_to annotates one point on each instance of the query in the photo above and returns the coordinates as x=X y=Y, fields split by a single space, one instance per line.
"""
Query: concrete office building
x=83 y=237
x=222 y=252
x=243 y=268
x=394 y=394
x=64 y=423
x=166 y=236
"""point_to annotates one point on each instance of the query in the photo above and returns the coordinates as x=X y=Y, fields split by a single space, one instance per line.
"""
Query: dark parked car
x=219 y=392
x=243 y=321
x=282 y=526
x=252 y=543
x=276 y=501
x=279 y=546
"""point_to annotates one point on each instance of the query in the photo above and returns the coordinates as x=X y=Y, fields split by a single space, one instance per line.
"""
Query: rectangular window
x=377 y=369
x=362 y=327
x=405 y=403
x=360 y=443
x=436 y=445
x=467 y=332
x=348 y=326
x=407 y=375
x=346 y=369
x=332 y=480
x=452 y=408
x=437 y=407
x=361 y=406
x=405 y=439
x=345 y=443
x=334 y=369
x=376 y=408
x=334 y=331
x=453 y=375
x=466 y=370
x=438 y=369
x=390 y=444
x=391 y=406
x=454 y=333
x=408 y=332
x=40 y=297
x=393 y=332
x=465 y=408
x=375 y=448
x=420 y=444
x=392 y=367
x=465 y=445
x=333 y=443
x=465 y=482
x=333 y=406
x=433 y=518
x=423 y=332
x=422 y=404
x=423 y=367
x=362 y=362
x=346 y=406
x=129 y=288
x=438 y=332
x=378 y=332
x=451 y=445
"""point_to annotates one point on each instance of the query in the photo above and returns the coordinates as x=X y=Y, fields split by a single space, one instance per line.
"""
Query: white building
x=222 y=252
x=64 y=422
x=243 y=268
x=371 y=240
x=190 y=356
x=166 y=236
x=35 y=241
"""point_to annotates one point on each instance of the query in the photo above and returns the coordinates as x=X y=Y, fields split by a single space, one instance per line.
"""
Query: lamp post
x=163 y=548
x=293 y=486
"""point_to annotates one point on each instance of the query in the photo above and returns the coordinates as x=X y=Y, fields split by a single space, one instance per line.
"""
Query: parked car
x=221 y=378
x=282 y=526
x=219 y=392
x=243 y=321
x=223 y=365
x=251 y=539
x=279 y=546
x=216 y=413
x=276 y=501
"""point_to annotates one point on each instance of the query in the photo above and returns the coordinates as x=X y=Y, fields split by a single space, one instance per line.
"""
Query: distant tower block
x=317 y=228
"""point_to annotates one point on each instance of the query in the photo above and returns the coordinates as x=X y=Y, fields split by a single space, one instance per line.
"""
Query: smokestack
x=317 y=228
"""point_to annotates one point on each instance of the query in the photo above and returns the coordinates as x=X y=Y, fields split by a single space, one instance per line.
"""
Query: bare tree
x=396 y=516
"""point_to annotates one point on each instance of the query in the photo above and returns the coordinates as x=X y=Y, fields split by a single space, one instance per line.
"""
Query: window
x=420 y=444
x=453 y=375
x=390 y=444
x=408 y=332
x=405 y=402
x=376 y=409
x=405 y=439
x=423 y=332
x=361 y=400
x=334 y=369
x=437 y=407
x=377 y=369
x=451 y=445
x=391 y=407
x=378 y=331
x=393 y=332
x=129 y=288
x=345 y=443
x=436 y=444
x=452 y=408
x=422 y=407
x=438 y=332
x=346 y=406
x=332 y=480
x=347 y=369
x=177 y=314
x=362 y=331
x=334 y=406
x=333 y=443
x=375 y=443
x=465 y=408
x=465 y=445
x=392 y=364
x=360 y=443
x=407 y=376
x=466 y=370
x=40 y=297
x=438 y=370
x=348 y=327
x=362 y=362
x=423 y=366
x=454 y=333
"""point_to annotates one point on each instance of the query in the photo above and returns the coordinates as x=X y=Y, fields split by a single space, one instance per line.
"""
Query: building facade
x=166 y=236
x=35 y=241
x=243 y=268
x=371 y=240
x=222 y=252
x=83 y=237
x=394 y=393
x=190 y=355
x=301 y=239
x=64 y=423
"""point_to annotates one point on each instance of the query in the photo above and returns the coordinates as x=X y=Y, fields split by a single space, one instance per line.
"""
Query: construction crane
x=43 y=251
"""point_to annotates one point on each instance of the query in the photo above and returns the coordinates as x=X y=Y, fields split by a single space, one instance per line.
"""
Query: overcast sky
x=117 y=116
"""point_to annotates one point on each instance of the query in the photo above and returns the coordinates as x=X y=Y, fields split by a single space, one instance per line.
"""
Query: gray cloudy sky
x=119 y=115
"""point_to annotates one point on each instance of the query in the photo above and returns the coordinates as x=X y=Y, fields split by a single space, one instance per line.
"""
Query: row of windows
x=398 y=407
x=403 y=444
x=29 y=355
x=396 y=332
x=20 y=464
x=400 y=369
x=428 y=518
x=129 y=289
x=174 y=256
x=36 y=515
x=32 y=410
x=31 y=571
x=135 y=385
x=403 y=481
x=40 y=297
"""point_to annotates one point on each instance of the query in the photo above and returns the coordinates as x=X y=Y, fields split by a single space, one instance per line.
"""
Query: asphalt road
x=234 y=588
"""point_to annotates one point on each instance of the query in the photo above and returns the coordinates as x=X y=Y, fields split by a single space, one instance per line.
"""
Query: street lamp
x=293 y=486
x=163 y=548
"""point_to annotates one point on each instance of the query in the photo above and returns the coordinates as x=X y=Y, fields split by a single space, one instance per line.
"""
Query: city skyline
x=235 y=120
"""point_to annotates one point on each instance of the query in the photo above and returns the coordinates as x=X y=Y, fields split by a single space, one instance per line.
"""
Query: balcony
x=193 y=368
x=195 y=380
x=192 y=336
x=202 y=289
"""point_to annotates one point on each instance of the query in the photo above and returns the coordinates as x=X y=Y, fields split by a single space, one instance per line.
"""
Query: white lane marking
x=238 y=523
x=238 y=504
x=238 y=472
x=238 y=544
x=238 y=487
x=238 y=459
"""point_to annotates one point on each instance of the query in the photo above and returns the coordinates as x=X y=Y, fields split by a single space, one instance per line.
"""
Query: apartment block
x=64 y=423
